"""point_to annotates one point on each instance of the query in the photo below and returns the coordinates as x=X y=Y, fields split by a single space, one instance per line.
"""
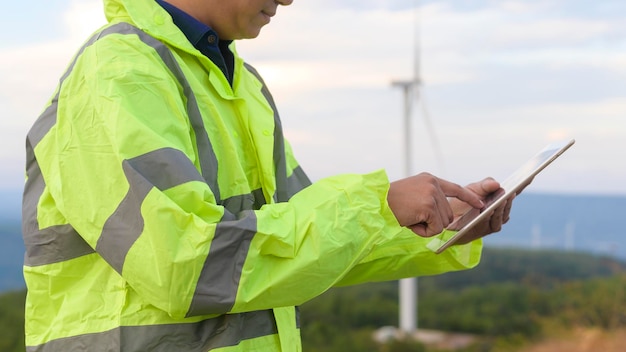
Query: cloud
x=514 y=74
x=507 y=76
x=82 y=18
x=29 y=74
x=369 y=44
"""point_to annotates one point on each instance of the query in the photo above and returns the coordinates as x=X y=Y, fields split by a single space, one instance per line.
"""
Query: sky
x=500 y=79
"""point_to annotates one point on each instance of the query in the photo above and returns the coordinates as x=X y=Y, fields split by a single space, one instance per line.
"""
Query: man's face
x=239 y=19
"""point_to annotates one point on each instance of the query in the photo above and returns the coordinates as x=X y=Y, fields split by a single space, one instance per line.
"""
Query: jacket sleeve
x=122 y=168
x=339 y=231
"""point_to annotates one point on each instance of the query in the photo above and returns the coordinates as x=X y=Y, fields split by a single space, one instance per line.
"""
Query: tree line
x=512 y=298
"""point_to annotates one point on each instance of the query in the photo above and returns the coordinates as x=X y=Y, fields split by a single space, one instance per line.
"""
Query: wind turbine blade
x=433 y=136
x=417 y=64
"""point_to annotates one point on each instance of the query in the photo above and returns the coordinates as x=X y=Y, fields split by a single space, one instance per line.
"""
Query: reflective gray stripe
x=49 y=117
x=49 y=245
x=62 y=242
x=285 y=188
x=223 y=331
x=216 y=289
x=218 y=283
x=208 y=160
x=219 y=280
x=251 y=201
x=57 y=243
x=297 y=311
x=297 y=181
x=45 y=121
x=163 y=169
x=280 y=164
x=54 y=244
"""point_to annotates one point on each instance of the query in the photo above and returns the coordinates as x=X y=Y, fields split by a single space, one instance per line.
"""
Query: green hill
x=509 y=298
x=535 y=268
x=12 y=321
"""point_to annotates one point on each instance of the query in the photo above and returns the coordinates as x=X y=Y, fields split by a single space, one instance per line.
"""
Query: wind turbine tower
x=411 y=89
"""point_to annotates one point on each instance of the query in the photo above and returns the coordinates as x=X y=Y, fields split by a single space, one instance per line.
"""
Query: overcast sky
x=500 y=80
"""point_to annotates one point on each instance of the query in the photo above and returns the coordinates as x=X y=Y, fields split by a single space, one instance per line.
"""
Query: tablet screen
x=512 y=184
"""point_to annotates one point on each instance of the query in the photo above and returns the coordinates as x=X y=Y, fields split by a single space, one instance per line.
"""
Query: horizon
x=11 y=207
x=579 y=223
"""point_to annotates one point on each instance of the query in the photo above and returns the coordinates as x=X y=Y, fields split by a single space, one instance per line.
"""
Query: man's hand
x=497 y=217
x=421 y=203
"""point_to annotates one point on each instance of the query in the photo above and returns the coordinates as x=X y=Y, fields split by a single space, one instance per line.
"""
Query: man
x=164 y=211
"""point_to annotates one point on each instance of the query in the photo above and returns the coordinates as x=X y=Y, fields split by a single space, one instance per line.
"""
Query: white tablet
x=514 y=183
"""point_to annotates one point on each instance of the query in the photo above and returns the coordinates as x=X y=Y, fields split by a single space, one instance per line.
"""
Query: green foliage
x=356 y=306
x=594 y=303
x=327 y=338
x=494 y=310
x=12 y=321
x=507 y=300
x=534 y=268
x=401 y=346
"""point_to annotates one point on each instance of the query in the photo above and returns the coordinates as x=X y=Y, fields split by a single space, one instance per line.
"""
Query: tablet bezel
x=512 y=184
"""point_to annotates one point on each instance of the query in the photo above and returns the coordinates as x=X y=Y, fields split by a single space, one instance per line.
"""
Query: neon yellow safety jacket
x=163 y=210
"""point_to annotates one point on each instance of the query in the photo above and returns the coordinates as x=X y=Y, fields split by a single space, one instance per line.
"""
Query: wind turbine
x=411 y=89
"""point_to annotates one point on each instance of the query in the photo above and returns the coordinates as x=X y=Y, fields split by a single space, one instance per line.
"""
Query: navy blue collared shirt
x=204 y=39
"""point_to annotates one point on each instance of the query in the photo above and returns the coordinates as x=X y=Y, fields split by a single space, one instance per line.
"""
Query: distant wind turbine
x=411 y=88
x=569 y=235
